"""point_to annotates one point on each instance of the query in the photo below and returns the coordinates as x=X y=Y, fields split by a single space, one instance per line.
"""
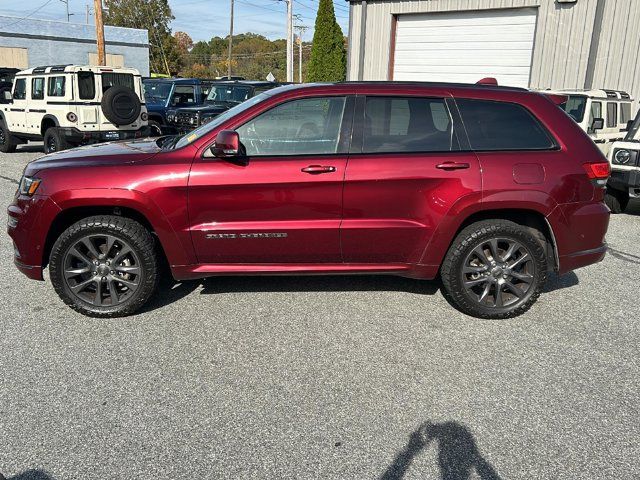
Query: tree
x=184 y=41
x=328 y=61
x=154 y=16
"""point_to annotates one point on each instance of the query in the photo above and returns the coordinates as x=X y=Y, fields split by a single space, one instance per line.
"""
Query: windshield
x=219 y=120
x=229 y=93
x=155 y=92
x=575 y=107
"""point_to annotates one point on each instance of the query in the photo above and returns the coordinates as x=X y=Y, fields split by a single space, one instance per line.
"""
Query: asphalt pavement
x=322 y=377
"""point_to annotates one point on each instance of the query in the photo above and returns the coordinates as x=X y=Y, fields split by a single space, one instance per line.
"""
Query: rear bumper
x=625 y=180
x=582 y=259
x=74 y=135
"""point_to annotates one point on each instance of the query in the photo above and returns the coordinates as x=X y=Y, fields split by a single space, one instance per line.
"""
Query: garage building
x=555 y=44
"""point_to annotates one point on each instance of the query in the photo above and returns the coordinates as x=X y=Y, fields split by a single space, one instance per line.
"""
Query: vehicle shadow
x=458 y=453
x=171 y=291
x=30 y=148
x=31 y=474
x=559 y=282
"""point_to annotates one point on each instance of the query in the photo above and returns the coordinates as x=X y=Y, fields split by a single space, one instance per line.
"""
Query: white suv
x=624 y=182
x=69 y=105
x=603 y=114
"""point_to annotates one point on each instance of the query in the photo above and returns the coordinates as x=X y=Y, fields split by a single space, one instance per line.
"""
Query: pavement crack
x=10 y=179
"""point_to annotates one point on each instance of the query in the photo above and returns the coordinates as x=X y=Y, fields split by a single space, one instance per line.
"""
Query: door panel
x=268 y=211
x=414 y=172
x=282 y=202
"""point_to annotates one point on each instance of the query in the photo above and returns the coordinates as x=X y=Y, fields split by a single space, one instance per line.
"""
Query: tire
x=616 y=200
x=121 y=105
x=54 y=141
x=124 y=278
x=7 y=143
x=481 y=287
x=155 y=129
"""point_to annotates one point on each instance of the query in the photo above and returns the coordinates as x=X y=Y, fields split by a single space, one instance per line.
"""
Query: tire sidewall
x=454 y=283
x=148 y=266
x=8 y=146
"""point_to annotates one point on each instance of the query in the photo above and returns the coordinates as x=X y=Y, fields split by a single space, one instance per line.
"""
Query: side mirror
x=6 y=95
x=227 y=145
x=597 y=124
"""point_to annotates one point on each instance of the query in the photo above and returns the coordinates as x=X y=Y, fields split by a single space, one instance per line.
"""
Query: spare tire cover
x=120 y=105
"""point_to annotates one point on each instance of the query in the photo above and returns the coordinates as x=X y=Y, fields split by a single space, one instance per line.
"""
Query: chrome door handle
x=315 y=169
x=452 y=166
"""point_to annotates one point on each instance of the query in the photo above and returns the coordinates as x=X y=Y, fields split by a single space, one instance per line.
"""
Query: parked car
x=68 y=105
x=624 y=182
x=164 y=94
x=487 y=187
x=221 y=97
x=6 y=82
x=603 y=114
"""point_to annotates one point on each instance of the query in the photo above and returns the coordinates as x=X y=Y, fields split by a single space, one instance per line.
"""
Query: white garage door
x=466 y=46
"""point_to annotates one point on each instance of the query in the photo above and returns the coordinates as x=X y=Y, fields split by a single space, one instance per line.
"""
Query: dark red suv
x=487 y=187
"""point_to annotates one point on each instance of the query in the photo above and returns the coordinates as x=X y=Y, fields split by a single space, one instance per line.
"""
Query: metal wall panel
x=562 y=42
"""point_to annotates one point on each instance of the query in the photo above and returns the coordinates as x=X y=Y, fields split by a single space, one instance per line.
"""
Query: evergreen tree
x=328 y=61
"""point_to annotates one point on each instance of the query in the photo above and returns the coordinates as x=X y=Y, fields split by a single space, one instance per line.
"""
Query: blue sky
x=201 y=19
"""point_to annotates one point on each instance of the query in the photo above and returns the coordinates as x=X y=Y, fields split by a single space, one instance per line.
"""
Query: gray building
x=29 y=42
x=556 y=44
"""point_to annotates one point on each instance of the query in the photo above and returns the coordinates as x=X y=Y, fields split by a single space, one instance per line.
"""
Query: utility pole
x=230 y=43
x=301 y=29
x=289 y=40
x=66 y=2
x=97 y=10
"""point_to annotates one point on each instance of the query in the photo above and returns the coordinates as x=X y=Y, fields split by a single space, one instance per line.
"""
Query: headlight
x=171 y=115
x=622 y=157
x=28 y=185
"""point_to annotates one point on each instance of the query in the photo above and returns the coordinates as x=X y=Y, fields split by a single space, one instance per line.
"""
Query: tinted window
x=20 y=89
x=612 y=114
x=229 y=93
x=55 y=87
x=625 y=113
x=112 y=79
x=502 y=126
x=395 y=124
x=300 y=127
x=86 y=85
x=37 y=88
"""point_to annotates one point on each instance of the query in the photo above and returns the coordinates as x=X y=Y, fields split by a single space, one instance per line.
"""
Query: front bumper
x=625 y=181
x=28 y=224
x=74 y=135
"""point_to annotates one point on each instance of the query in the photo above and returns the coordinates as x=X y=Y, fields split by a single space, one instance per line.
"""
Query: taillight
x=598 y=172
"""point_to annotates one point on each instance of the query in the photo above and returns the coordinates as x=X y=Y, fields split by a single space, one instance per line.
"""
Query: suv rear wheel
x=495 y=269
x=54 y=140
x=7 y=145
x=104 y=266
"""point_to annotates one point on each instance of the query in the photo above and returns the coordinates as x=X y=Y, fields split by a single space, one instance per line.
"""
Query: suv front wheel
x=104 y=266
x=495 y=269
x=54 y=140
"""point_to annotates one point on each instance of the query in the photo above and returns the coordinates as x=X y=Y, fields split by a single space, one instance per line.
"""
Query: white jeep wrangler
x=624 y=182
x=603 y=114
x=69 y=105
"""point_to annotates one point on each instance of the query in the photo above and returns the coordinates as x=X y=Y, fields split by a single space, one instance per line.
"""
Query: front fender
x=174 y=238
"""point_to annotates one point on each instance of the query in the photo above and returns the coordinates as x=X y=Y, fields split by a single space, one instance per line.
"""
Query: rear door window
x=37 y=88
x=116 y=79
x=86 y=86
x=407 y=124
x=495 y=125
x=55 y=87
x=612 y=114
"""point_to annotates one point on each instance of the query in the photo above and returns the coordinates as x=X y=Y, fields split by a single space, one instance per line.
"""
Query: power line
x=30 y=14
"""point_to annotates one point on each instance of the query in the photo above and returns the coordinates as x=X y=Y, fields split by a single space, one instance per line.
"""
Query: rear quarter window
x=493 y=125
